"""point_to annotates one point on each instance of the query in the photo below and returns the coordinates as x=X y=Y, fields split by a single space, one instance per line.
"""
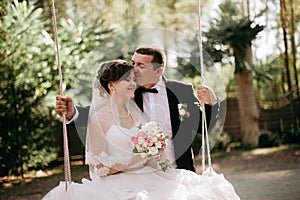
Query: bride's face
x=125 y=88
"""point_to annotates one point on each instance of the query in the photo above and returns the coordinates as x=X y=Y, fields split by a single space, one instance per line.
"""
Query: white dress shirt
x=156 y=108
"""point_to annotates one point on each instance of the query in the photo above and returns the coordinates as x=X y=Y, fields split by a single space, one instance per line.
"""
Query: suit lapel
x=173 y=107
x=138 y=98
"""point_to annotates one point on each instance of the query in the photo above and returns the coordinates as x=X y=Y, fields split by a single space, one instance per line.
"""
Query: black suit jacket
x=183 y=131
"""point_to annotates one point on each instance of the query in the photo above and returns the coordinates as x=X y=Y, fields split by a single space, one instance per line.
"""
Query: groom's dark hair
x=159 y=56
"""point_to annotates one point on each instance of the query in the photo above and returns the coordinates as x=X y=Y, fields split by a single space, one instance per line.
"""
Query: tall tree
x=293 y=44
x=283 y=15
x=238 y=32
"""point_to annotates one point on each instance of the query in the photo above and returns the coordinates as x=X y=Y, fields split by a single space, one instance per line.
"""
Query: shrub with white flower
x=151 y=141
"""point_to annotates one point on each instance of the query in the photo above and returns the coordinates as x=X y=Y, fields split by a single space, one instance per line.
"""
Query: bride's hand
x=155 y=159
x=162 y=157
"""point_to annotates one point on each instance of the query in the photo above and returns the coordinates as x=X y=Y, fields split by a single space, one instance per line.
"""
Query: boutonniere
x=183 y=112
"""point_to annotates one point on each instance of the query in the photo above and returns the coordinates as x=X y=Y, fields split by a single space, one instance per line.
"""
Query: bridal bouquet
x=151 y=141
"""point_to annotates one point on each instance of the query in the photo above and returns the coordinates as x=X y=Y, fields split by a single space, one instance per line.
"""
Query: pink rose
x=134 y=140
x=188 y=114
x=161 y=136
x=149 y=142
x=142 y=134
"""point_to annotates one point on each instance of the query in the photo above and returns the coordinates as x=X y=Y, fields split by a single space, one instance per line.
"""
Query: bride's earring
x=112 y=90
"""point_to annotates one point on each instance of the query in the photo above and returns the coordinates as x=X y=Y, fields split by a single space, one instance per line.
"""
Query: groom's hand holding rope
x=206 y=95
x=65 y=105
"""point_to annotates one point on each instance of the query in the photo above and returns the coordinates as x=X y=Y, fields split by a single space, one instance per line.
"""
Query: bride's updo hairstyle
x=112 y=71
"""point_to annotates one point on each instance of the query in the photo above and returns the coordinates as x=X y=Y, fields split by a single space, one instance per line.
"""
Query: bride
x=115 y=171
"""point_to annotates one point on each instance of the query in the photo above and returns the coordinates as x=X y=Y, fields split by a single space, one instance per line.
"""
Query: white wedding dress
x=141 y=182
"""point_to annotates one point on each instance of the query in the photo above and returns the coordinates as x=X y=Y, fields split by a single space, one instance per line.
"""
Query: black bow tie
x=151 y=90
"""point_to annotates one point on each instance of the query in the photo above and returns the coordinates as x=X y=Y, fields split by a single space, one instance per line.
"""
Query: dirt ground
x=260 y=174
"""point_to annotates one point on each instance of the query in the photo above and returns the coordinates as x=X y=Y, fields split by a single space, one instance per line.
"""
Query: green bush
x=24 y=72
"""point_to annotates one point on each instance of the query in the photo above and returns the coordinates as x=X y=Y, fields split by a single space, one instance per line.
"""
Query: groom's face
x=145 y=73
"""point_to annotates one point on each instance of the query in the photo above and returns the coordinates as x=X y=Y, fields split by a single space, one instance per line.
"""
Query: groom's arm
x=212 y=114
x=211 y=105
x=74 y=115
x=81 y=116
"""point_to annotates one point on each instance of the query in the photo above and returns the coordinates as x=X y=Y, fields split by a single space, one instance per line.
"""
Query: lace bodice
x=118 y=151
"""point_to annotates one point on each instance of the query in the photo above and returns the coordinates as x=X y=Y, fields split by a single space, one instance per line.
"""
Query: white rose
x=153 y=151
x=141 y=141
x=182 y=112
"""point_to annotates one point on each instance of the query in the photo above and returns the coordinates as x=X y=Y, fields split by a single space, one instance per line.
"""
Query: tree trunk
x=248 y=109
x=293 y=45
x=283 y=14
x=249 y=113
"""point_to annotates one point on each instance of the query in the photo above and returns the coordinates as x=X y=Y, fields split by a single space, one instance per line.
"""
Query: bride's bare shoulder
x=103 y=112
x=103 y=117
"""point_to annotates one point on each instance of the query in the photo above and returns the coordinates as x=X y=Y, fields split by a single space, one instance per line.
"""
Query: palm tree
x=238 y=32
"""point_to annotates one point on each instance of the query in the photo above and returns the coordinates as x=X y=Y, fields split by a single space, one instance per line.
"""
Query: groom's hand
x=65 y=105
x=206 y=95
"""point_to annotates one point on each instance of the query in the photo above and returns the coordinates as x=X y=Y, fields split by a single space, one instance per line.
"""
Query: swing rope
x=205 y=139
x=65 y=135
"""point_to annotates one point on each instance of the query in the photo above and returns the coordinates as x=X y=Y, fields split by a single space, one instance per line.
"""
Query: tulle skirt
x=146 y=184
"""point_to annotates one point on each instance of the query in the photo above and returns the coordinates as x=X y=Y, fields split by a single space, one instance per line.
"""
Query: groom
x=171 y=103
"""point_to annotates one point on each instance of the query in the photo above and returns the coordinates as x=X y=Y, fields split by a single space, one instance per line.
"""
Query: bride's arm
x=137 y=159
x=122 y=167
